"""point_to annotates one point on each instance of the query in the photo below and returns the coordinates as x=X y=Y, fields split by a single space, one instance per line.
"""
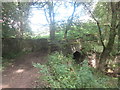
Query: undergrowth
x=62 y=72
x=7 y=60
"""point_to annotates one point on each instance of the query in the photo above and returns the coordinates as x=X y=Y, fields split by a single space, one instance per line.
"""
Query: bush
x=62 y=72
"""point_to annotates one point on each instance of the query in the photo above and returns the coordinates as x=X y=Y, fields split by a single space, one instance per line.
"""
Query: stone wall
x=16 y=45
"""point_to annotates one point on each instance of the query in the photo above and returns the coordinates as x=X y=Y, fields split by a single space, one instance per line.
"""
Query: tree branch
x=100 y=33
x=69 y=21
x=46 y=15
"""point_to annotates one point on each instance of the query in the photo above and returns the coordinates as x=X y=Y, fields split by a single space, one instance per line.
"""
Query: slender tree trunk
x=69 y=22
x=21 y=28
x=52 y=21
x=52 y=32
x=21 y=20
x=66 y=31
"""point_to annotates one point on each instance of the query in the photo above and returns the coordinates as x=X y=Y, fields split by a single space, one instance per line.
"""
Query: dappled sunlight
x=93 y=63
x=64 y=44
x=73 y=48
x=20 y=71
x=110 y=71
x=92 y=60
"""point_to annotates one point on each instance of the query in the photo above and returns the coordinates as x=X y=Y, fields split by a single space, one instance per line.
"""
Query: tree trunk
x=107 y=50
x=119 y=37
x=52 y=32
x=66 y=31
x=52 y=21
x=69 y=21
x=119 y=27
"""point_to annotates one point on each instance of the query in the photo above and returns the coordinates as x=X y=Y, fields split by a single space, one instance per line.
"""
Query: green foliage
x=102 y=12
x=8 y=59
x=59 y=35
x=5 y=62
x=12 y=14
x=62 y=72
x=85 y=31
x=10 y=55
x=38 y=37
x=14 y=54
x=91 y=45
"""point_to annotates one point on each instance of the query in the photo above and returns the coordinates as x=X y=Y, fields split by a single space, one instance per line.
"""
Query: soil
x=22 y=74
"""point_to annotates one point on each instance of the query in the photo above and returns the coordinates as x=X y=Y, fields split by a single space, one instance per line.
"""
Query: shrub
x=62 y=72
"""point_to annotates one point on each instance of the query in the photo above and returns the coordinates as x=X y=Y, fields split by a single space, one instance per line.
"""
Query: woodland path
x=22 y=74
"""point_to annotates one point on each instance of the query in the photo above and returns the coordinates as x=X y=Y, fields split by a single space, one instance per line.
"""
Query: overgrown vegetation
x=62 y=72
x=8 y=59
x=98 y=34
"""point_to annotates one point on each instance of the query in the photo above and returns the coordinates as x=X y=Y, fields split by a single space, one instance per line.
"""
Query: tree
x=109 y=46
x=107 y=50
x=7 y=13
x=51 y=20
x=70 y=19
x=118 y=27
x=15 y=17
x=98 y=25
x=23 y=8
x=49 y=11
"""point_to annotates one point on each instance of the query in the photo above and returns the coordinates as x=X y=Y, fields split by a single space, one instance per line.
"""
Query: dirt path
x=22 y=74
